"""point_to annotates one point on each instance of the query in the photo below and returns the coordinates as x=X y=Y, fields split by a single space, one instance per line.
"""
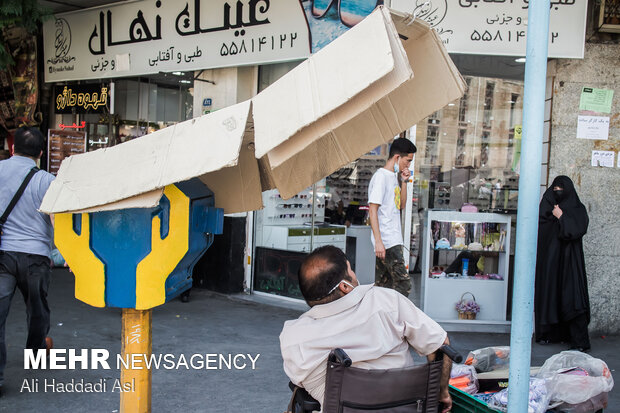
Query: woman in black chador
x=562 y=305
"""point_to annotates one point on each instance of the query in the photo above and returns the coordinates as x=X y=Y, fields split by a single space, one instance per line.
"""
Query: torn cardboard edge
x=311 y=91
x=100 y=180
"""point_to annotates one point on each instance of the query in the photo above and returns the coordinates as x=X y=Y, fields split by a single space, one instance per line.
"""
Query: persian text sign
x=499 y=27
x=83 y=98
x=61 y=145
x=152 y=36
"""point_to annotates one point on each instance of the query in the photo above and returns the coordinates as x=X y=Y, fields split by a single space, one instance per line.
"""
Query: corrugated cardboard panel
x=146 y=200
x=323 y=83
x=175 y=154
x=375 y=115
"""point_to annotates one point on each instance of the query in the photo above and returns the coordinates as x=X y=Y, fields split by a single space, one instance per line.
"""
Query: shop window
x=460 y=147
x=142 y=106
x=334 y=212
x=488 y=104
x=466 y=154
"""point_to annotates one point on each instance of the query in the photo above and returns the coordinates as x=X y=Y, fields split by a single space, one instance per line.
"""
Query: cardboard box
x=497 y=380
x=333 y=108
x=376 y=80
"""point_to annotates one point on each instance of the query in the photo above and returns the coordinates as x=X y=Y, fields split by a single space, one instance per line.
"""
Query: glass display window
x=334 y=211
x=141 y=106
x=468 y=152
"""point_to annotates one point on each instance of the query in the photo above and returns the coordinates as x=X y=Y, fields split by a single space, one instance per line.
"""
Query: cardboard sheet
x=371 y=111
x=375 y=81
x=209 y=147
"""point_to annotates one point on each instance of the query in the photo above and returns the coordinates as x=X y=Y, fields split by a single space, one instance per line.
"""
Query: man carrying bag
x=25 y=240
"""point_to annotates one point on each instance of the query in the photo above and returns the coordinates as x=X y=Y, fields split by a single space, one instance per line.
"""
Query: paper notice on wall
x=603 y=158
x=592 y=127
x=596 y=100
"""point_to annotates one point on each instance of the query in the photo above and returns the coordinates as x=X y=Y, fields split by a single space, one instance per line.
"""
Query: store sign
x=81 y=98
x=499 y=27
x=61 y=145
x=147 y=36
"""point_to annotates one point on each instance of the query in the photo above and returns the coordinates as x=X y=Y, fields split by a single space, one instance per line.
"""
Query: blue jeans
x=31 y=274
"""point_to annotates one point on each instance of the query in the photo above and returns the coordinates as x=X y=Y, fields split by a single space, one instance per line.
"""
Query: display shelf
x=481 y=252
x=440 y=295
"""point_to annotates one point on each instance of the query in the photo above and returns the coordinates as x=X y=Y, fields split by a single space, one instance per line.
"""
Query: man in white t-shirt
x=387 y=195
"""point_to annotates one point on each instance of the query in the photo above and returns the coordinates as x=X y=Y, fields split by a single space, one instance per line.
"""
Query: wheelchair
x=354 y=390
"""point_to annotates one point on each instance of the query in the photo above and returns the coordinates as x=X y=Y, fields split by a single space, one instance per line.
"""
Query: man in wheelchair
x=374 y=325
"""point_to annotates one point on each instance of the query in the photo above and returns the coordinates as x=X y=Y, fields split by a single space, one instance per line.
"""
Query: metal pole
x=527 y=211
x=135 y=384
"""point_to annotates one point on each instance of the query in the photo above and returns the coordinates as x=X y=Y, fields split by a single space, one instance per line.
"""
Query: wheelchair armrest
x=303 y=399
x=449 y=351
x=339 y=356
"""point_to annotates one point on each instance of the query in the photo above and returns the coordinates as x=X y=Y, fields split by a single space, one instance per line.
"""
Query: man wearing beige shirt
x=374 y=325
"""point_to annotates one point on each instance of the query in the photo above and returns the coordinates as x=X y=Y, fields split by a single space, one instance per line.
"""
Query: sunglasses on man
x=350 y=12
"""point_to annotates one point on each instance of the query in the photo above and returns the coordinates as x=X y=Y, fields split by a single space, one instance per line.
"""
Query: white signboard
x=151 y=36
x=603 y=158
x=499 y=27
x=592 y=127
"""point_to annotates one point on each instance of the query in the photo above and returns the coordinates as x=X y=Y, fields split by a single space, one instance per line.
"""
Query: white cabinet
x=483 y=239
x=298 y=238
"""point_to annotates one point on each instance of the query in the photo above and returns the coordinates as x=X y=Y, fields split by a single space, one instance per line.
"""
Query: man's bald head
x=320 y=271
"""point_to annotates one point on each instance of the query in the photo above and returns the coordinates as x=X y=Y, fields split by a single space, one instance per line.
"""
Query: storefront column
x=527 y=210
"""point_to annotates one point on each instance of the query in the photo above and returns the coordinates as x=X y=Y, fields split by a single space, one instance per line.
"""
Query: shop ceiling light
x=520 y=60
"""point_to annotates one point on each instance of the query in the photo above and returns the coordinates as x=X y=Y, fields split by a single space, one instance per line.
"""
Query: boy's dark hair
x=402 y=147
x=331 y=263
x=29 y=141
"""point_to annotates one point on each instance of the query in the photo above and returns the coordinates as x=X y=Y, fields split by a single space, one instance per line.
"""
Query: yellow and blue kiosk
x=137 y=259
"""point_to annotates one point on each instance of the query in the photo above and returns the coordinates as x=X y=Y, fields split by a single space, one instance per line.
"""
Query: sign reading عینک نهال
x=148 y=37
x=81 y=98
x=499 y=27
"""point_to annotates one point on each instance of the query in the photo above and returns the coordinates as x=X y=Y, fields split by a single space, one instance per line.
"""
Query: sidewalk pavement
x=209 y=323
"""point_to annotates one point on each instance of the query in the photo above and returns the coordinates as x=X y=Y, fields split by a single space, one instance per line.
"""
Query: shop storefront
x=167 y=63
x=468 y=159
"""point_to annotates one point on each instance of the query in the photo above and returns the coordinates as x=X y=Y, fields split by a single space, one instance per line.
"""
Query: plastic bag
x=489 y=358
x=538 y=401
x=57 y=259
x=594 y=404
x=566 y=384
x=464 y=378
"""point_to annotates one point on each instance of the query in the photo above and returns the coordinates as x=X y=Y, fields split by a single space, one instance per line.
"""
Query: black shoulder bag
x=16 y=197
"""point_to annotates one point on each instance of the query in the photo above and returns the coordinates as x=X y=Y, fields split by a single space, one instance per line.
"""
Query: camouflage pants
x=391 y=272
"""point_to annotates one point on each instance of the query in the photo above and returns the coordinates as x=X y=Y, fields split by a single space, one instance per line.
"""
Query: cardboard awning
x=215 y=147
x=376 y=80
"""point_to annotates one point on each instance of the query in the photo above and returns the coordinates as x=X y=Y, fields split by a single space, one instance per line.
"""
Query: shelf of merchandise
x=287 y=223
x=441 y=294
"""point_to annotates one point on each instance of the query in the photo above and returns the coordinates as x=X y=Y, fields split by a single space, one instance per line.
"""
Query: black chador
x=562 y=305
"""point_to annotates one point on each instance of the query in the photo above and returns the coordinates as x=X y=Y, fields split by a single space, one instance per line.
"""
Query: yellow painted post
x=137 y=339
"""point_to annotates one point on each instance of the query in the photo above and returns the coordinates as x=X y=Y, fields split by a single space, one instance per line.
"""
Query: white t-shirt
x=384 y=190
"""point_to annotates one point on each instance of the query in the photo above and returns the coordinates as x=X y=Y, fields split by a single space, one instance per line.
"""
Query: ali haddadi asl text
x=77 y=386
